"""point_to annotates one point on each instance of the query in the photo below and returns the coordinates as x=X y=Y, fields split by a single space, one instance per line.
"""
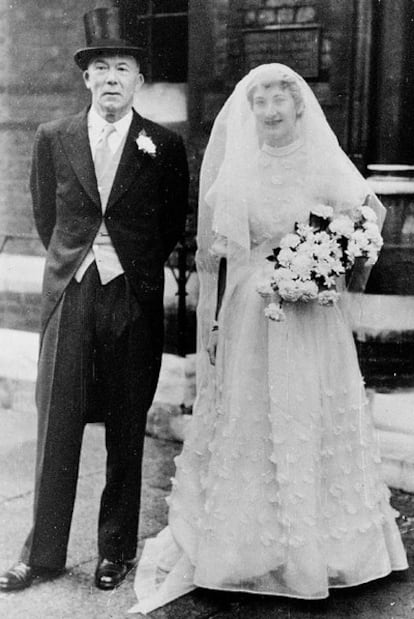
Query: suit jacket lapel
x=76 y=144
x=131 y=160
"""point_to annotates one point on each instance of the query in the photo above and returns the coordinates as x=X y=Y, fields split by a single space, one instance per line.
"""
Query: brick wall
x=335 y=17
x=39 y=82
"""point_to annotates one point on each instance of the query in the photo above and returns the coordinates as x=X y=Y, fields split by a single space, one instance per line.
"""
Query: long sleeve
x=43 y=187
x=359 y=276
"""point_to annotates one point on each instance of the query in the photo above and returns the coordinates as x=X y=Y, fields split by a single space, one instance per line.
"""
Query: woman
x=277 y=490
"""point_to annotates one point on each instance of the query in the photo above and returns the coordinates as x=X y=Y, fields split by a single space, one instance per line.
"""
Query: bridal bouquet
x=310 y=259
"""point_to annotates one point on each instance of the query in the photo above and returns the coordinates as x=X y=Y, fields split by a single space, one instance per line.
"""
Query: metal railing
x=182 y=265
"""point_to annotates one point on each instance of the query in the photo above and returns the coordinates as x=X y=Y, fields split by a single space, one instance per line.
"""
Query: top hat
x=104 y=35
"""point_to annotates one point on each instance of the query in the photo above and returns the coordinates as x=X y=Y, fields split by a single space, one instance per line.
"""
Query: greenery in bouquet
x=310 y=259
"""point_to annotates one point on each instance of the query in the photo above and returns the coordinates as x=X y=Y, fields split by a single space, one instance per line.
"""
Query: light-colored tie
x=102 y=161
x=106 y=259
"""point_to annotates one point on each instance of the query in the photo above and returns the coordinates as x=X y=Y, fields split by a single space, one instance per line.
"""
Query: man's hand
x=212 y=346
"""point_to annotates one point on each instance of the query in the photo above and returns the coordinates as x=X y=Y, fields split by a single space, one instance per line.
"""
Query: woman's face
x=275 y=112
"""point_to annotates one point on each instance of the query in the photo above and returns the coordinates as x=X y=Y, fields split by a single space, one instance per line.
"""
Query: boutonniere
x=145 y=143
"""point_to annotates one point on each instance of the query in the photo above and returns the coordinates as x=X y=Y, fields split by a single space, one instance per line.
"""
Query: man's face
x=113 y=81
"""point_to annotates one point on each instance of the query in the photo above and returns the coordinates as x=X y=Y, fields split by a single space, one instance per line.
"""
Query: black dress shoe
x=20 y=576
x=110 y=574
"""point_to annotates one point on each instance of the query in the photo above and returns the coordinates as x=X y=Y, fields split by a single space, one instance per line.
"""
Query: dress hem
x=302 y=597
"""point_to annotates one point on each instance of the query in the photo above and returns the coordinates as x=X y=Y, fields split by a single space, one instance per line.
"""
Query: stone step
x=394 y=412
x=393 y=415
x=380 y=317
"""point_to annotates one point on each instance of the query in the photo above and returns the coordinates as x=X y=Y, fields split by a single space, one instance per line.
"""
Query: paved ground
x=74 y=596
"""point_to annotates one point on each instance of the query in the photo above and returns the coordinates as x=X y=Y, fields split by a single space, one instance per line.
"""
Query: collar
x=279 y=151
x=96 y=123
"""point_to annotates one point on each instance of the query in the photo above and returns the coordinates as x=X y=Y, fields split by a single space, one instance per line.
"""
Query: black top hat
x=104 y=35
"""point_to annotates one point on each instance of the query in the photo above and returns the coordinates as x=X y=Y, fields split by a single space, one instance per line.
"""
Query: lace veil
x=227 y=171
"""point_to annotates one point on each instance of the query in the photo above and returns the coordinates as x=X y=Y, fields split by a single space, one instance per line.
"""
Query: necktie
x=103 y=158
x=106 y=259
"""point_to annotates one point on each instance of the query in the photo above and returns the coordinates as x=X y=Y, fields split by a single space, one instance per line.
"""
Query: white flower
x=337 y=267
x=342 y=225
x=328 y=297
x=329 y=280
x=372 y=232
x=290 y=241
x=306 y=247
x=145 y=143
x=302 y=265
x=305 y=231
x=290 y=291
x=323 y=251
x=309 y=291
x=274 y=312
x=281 y=274
x=353 y=251
x=321 y=237
x=285 y=256
x=368 y=213
x=323 y=210
x=328 y=269
x=360 y=238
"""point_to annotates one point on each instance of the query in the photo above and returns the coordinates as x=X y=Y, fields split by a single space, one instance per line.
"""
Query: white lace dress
x=277 y=490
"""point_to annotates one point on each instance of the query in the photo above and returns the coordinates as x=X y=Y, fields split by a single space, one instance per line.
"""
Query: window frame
x=135 y=18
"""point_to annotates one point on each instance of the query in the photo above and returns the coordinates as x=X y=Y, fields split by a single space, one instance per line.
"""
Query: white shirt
x=96 y=125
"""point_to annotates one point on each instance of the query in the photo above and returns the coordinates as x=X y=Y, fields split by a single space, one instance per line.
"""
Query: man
x=109 y=193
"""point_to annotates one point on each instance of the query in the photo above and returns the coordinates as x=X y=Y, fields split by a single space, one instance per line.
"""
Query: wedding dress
x=277 y=489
